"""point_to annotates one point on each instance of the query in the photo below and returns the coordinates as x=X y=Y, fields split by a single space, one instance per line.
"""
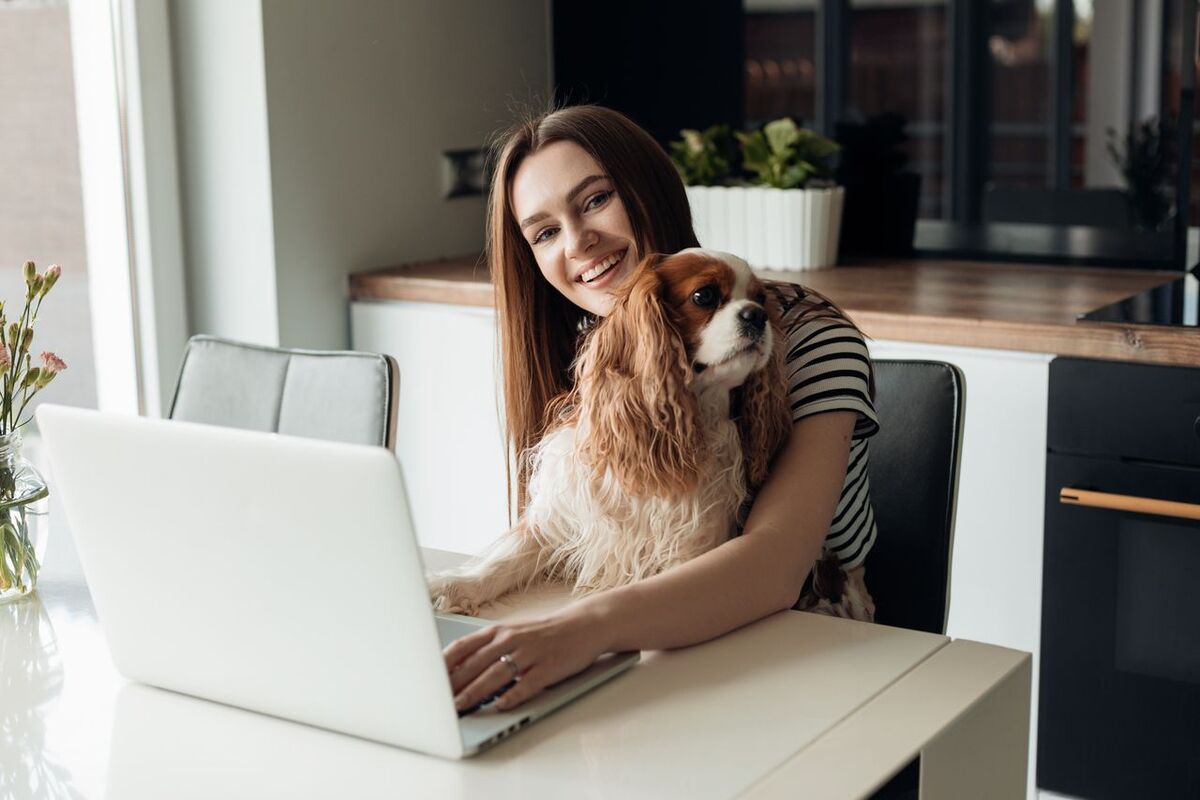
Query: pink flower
x=53 y=363
x=51 y=277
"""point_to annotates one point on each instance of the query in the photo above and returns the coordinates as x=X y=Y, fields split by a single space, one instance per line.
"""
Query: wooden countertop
x=966 y=303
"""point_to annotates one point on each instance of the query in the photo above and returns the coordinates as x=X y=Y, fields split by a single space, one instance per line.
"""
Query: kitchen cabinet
x=448 y=427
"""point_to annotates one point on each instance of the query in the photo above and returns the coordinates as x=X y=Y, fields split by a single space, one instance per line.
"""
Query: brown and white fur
x=642 y=467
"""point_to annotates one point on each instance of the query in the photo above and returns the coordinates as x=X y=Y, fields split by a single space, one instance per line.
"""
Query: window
x=1010 y=123
x=898 y=65
x=41 y=210
x=781 y=72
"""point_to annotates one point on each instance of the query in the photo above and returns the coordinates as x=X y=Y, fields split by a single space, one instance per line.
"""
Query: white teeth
x=602 y=267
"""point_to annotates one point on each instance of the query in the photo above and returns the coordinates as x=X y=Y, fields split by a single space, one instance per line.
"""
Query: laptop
x=272 y=573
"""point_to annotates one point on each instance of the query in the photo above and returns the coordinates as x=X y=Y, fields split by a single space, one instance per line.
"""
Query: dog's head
x=719 y=310
x=683 y=326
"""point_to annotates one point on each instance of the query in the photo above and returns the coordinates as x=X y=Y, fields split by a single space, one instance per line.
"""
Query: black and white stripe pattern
x=828 y=368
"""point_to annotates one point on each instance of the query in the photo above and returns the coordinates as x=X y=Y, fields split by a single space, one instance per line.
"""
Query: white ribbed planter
x=785 y=229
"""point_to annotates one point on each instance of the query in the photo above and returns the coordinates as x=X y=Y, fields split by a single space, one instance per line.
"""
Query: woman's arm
x=743 y=580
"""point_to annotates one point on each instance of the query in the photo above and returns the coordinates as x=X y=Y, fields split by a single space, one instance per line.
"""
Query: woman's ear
x=637 y=417
x=766 y=419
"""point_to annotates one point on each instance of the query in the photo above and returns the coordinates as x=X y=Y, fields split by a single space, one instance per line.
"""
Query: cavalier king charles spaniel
x=677 y=408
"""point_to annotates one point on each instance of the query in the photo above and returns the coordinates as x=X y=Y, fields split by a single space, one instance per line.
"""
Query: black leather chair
x=338 y=396
x=914 y=483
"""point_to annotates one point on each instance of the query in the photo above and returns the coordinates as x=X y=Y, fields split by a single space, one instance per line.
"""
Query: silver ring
x=508 y=661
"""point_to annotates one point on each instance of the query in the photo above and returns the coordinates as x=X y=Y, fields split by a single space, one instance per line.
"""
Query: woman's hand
x=540 y=653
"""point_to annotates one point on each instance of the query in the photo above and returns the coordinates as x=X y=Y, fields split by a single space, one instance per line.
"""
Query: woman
x=579 y=195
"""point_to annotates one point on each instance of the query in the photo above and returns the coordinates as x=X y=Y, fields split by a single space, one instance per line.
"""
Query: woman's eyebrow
x=579 y=187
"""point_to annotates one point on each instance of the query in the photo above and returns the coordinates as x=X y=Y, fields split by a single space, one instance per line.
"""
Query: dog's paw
x=451 y=596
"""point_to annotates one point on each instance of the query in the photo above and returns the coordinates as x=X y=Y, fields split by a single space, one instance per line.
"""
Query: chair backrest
x=338 y=396
x=914 y=484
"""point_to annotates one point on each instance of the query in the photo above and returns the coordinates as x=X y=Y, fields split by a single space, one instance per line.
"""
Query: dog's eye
x=761 y=298
x=706 y=296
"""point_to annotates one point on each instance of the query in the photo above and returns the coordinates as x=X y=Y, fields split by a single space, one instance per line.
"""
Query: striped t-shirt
x=828 y=369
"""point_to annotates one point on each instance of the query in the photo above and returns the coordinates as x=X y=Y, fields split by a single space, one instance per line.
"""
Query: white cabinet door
x=448 y=435
x=996 y=572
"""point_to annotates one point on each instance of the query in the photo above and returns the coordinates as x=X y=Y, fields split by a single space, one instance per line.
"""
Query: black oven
x=1119 y=705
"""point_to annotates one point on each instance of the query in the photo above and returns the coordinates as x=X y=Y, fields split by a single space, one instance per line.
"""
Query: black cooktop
x=1176 y=303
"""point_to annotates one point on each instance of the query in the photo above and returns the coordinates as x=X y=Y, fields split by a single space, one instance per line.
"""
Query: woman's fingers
x=490 y=681
x=478 y=663
x=531 y=684
x=460 y=649
x=542 y=651
x=474 y=664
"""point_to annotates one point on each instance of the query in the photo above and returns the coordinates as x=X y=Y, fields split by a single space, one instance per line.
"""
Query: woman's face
x=574 y=221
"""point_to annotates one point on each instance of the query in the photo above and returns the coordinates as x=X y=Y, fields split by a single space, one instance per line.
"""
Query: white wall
x=362 y=105
x=221 y=106
x=311 y=134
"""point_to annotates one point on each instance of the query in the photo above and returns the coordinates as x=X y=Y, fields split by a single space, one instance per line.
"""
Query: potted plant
x=1146 y=159
x=786 y=216
x=882 y=198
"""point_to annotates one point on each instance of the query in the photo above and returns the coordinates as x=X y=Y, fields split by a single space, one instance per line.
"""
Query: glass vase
x=23 y=518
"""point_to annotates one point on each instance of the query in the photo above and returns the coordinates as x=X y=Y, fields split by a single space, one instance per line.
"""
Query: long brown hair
x=538 y=327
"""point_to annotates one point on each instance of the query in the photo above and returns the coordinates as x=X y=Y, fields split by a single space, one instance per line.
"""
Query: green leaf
x=699 y=156
x=812 y=145
x=781 y=134
x=785 y=156
x=795 y=176
x=756 y=154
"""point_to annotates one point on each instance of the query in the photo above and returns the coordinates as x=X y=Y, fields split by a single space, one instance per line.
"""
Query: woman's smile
x=608 y=267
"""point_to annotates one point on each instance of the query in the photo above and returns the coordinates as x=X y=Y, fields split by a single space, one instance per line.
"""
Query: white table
x=794 y=705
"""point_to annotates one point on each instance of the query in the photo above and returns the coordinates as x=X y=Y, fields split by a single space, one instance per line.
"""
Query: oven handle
x=1123 y=502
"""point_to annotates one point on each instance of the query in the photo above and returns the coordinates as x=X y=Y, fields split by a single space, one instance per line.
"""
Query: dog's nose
x=754 y=317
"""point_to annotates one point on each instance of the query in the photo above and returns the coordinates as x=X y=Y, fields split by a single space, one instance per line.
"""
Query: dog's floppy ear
x=637 y=416
x=766 y=419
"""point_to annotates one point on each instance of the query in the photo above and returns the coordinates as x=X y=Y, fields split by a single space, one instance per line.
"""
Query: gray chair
x=338 y=396
x=914 y=487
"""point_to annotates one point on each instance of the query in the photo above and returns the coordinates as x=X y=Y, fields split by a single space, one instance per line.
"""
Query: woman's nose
x=580 y=239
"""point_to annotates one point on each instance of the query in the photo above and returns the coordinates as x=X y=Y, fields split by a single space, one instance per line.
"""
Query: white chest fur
x=597 y=536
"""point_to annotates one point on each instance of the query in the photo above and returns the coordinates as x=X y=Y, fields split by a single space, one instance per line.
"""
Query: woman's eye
x=542 y=235
x=596 y=200
x=706 y=296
